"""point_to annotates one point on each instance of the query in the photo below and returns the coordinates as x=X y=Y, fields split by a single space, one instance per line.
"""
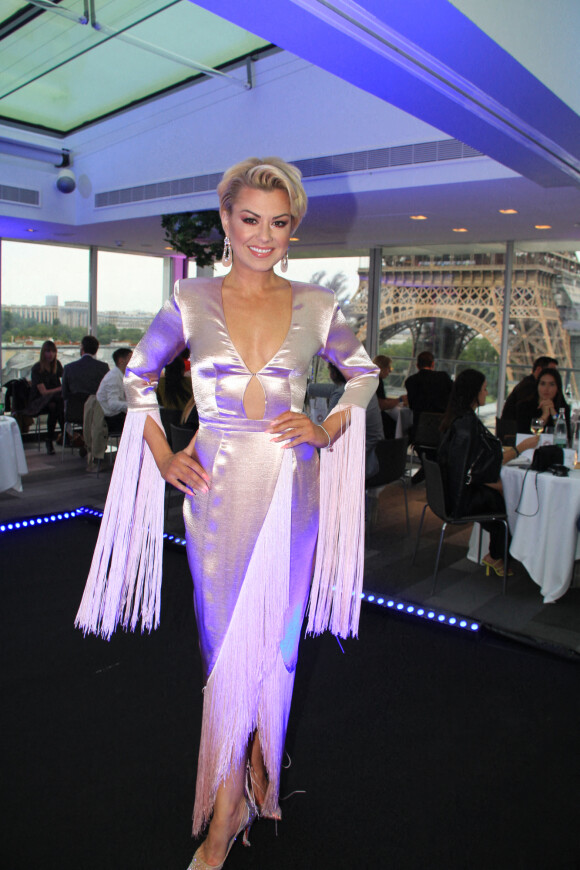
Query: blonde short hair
x=264 y=173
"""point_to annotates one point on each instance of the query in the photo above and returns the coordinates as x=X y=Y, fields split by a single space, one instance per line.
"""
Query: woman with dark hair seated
x=545 y=404
x=46 y=392
x=471 y=458
x=174 y=390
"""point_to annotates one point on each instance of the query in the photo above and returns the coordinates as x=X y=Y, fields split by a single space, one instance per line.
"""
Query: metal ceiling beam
x=35 y=152
x=90 y=16
x=48 y=6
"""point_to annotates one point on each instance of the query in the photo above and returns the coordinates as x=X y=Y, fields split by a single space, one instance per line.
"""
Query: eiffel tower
x=445 y=301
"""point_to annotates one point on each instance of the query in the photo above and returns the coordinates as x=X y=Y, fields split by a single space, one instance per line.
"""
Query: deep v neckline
x=229 y=337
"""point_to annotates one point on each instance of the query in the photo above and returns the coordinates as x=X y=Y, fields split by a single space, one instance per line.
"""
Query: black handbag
x=547 y=456
x=486 y=467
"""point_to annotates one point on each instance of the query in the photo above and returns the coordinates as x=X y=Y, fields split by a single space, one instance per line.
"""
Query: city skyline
x=127 y=282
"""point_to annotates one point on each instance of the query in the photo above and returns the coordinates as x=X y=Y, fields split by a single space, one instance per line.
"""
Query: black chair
x=74 y=407
x=112 y=435
x=506 y=431
x=180 y=437
x=392 y=456
x=17 y=399
x=169 y=417
x=436 y=501
x=426 y=436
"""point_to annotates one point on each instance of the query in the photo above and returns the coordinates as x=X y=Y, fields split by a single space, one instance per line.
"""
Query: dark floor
x=462 y=587
x=417 y=748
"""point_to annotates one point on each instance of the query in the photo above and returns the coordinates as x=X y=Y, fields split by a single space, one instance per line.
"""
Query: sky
x=126 y=282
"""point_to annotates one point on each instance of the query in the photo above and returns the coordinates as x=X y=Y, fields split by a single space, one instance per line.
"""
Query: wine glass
x=537 y=426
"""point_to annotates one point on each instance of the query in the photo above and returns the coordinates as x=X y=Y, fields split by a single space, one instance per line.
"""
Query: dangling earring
x=227 y=254
x=284 y=263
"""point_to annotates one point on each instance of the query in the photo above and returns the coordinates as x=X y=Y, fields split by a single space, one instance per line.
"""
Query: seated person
x=526 y=388
x=85 y=374
x=46 y=393
x=111 y=392
x=544 y=403
x=470 y=458
x=427 y=390
x=174 y=390
x=385 y=366
x=373 y=424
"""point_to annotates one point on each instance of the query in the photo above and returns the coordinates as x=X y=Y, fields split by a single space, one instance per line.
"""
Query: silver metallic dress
x=252 y=539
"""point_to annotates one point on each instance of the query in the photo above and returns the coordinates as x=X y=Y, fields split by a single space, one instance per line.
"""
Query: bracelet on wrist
x=327 y=435
x=517 y=452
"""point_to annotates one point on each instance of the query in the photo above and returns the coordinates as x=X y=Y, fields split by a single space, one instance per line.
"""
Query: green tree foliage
x=401 y=353
x=198 y=235
x=107 y=332
x=15 y=327
x=479 y=349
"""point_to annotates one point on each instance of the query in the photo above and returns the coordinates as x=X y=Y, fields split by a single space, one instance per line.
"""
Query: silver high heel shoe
x=248 y=817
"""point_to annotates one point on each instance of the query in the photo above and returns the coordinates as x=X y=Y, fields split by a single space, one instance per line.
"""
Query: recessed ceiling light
x=418 y=217
x=30 y=230
x=294 y=239
x=508 y=211
x=168 y=248
x=542 y=226
x=459 y=230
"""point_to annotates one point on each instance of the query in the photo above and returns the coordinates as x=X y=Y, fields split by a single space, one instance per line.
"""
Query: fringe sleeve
x=124 y=582
x=335 y=595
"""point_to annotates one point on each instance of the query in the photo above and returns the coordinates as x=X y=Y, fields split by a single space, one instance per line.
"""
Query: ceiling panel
x=59 y=74
x=9 y=8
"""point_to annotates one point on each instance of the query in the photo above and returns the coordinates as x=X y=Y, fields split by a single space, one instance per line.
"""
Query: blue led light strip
x=431 y=614
x=16 y=525
x=406 y=608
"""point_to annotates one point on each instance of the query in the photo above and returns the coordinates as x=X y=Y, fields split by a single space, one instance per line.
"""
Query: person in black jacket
x=85 y=374
x=427 y=390
x=471 y=458
x=526 y=388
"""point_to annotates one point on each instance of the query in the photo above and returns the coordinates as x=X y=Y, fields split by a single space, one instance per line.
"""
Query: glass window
x=45 y=295
x=129 y=295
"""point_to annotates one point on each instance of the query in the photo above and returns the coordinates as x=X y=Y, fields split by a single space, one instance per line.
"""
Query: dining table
x=12 y=459
x=543 y=513
x=403 y=418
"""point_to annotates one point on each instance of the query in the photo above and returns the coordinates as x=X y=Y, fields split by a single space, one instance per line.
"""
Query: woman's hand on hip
x=292 y=429
x=184 y=472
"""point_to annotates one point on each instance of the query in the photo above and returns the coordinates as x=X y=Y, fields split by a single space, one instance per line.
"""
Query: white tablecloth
x=403 y=417
x=12 y=460
x=544 y=534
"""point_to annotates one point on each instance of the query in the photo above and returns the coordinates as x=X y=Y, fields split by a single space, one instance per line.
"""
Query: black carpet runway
x=419 y=747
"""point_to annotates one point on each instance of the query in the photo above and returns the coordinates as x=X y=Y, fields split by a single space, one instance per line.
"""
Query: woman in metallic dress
x=263 y=527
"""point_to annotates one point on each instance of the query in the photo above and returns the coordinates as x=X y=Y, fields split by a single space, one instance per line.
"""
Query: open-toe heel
x=248 y=816
x=496 y=565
